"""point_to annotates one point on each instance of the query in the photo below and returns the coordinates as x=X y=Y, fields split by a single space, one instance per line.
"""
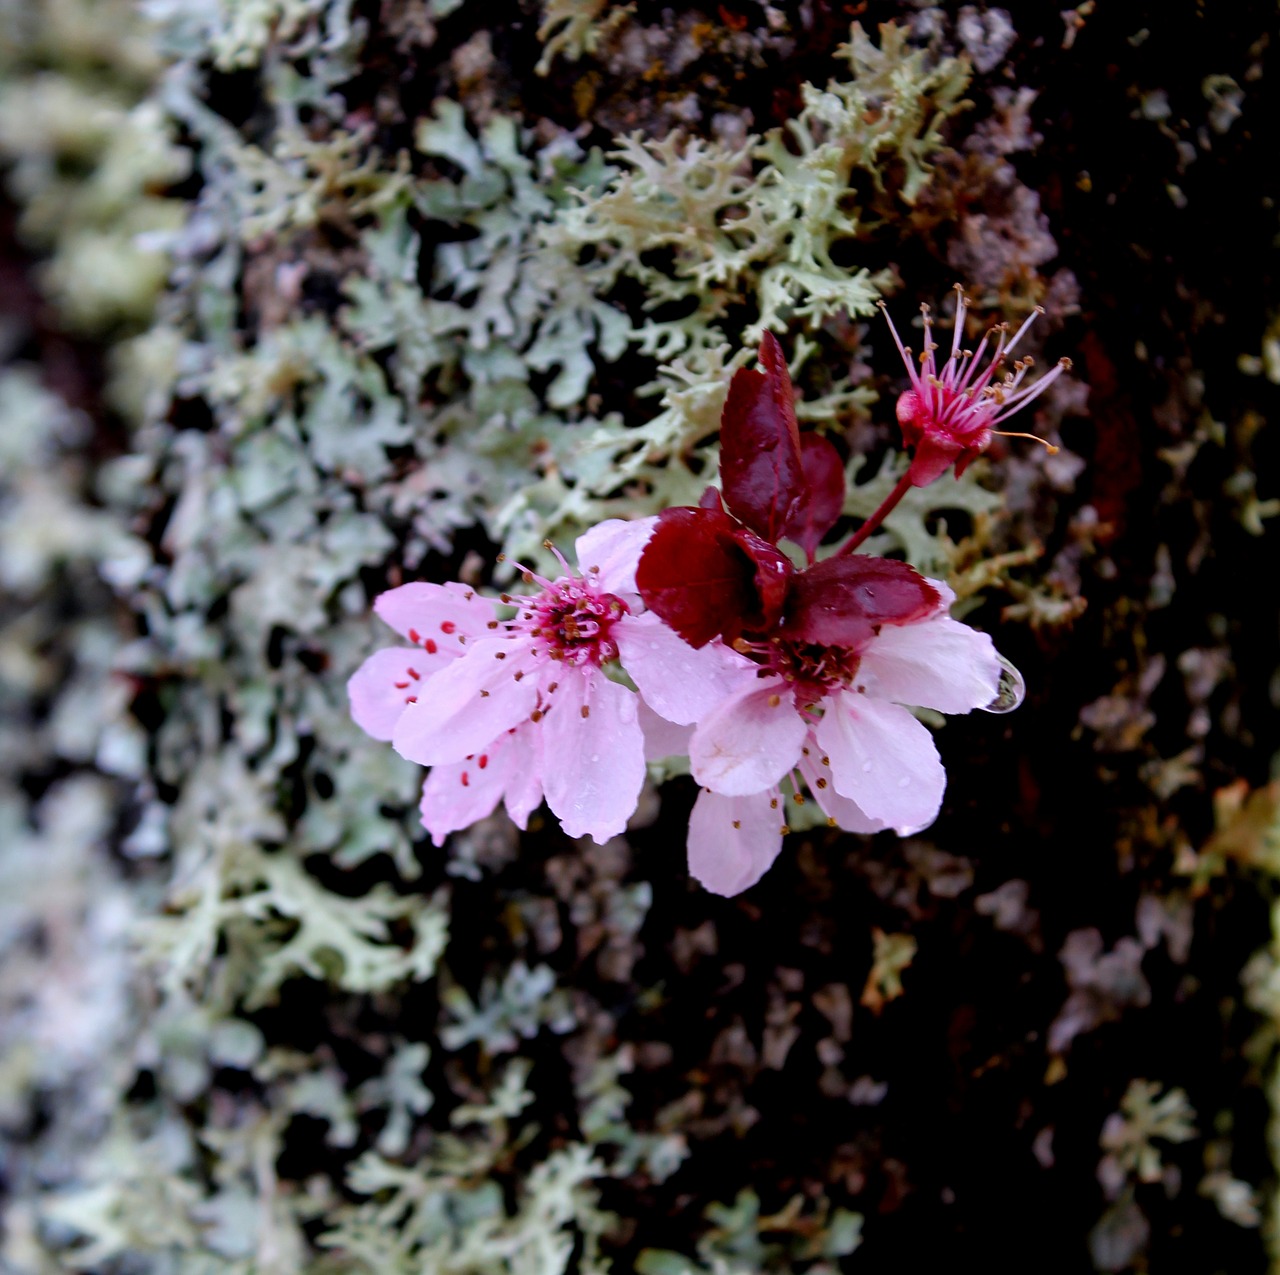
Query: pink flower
x=519 y=709
x=441 y=620
x=832 y=717
x=948 y=417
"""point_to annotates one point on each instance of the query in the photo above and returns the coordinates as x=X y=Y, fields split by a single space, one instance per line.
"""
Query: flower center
x=812 y=670
x=572 y=621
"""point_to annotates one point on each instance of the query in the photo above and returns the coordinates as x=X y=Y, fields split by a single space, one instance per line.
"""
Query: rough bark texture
x=305 y=298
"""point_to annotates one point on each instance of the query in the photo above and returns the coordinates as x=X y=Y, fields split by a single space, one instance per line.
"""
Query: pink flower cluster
x=762 y=673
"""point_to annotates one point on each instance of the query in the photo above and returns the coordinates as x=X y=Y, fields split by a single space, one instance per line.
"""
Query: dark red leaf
x=843 y=601
x=770 y=580
x=760 y=467
x=815 y=515
x=706 y=576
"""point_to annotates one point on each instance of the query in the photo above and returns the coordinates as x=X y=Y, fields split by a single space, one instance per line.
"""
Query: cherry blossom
x=440 y=620
x=520 y=709
x=806 y=674
x=831 y=719
x=782 y=683
x=949 y=415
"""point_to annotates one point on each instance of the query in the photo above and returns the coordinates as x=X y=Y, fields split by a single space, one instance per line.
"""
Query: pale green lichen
x=804 y=1235
x=1132 y=1158
x=446 y=1213
x=1129 y=1136
x=87 y=160
x=455 y=383
x=705 y=229
x=572 y=29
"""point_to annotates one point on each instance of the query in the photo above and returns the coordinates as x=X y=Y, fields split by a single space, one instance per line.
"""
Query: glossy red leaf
x=844 y=601
x=813 y=516
x=705 y=576
x=761 y=471
x=770 y=583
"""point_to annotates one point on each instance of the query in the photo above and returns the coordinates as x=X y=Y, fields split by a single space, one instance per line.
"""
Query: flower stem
x=886 y=508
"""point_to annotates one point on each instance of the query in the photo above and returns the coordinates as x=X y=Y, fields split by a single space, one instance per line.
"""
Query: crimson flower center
x=813 y=671
x=573 y=621
x=962 y=413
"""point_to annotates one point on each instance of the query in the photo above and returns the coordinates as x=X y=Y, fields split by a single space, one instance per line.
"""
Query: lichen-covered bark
x=307 y=298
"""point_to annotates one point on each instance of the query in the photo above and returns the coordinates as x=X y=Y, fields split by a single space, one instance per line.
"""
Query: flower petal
x=747 y=743
x=386 y=683
x=524 y=787
x=593 y=751
x=469 y=704
x=611 y=550
x=940 y=664
x=679 y=682
x=457 y=795
x=844 y=810
x=661 y=737
x=733 y=841
x=435 y=616
x=883 y=759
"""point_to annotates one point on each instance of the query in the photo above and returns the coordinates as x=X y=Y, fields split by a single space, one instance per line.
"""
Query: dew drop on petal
x=595 y=756
x=904 y=781
x=866 y=767
x=1011 y=691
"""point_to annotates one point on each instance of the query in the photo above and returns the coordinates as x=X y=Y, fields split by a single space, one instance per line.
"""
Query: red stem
x=886 y=508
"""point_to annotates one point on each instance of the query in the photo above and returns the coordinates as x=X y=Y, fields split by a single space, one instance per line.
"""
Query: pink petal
x=939 y=663
x=883 y=759
x=747 y=743
x=435 y=616
x=661 y=737
x=593 y=754
x=610 y=551
x=817 y=776
x=386 y=683
x=471 y=702
x=457 y=795
x=679 y=682
x=733 y=841
x=524 y=787
x=946 y=596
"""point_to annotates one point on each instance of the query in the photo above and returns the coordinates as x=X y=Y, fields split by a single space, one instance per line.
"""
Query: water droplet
x=904 y=781
x=595 y=756
x=1011 y=691
x=866 y=767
